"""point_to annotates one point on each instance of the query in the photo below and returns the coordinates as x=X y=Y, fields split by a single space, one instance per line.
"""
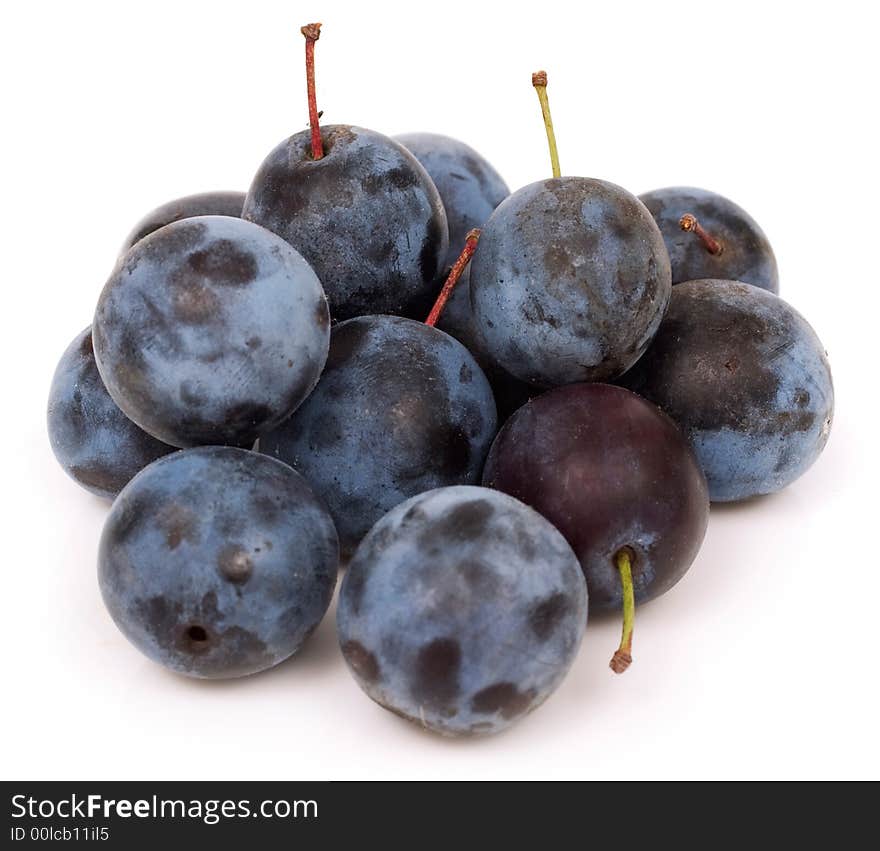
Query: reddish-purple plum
x=616 y=477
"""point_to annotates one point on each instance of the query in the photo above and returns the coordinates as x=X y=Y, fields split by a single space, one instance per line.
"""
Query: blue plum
x=743 y=252
x=457 y=320
x=217 y=562
x=469 y=186
x=748 y=381
x=611 y=472
x=366 y=216
x=201 y=204
x=97 y=445
x=462 y=610
x=210 y=331
x=401 y=408
x=570 y=281
x=470 y=189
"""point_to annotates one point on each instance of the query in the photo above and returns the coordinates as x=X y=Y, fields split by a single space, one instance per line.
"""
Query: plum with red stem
x=359 y=207
x=471 y=188
x=708 y=236
x=400 y=409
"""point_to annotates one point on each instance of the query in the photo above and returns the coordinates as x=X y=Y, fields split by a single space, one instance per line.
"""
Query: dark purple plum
x=461 y=611
x=728 y=244
x=202 y=204
x=217 y=562
x=469 y=186
x=211 y=330
x=570 y=281
x=748 y=381
x=400 y=409
x=365 y=215
x=99 y=447
x=615 y=476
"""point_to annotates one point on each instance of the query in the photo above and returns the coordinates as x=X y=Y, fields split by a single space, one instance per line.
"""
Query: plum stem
x=312 y=32
x=688 y=223
x=622 y=657
x=539 y=81
x=470 y=246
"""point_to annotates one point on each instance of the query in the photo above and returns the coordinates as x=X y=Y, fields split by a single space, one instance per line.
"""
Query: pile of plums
x=261 y=397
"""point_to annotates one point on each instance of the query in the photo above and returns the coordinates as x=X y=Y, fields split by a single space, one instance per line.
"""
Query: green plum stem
x=539 y=81
x=623 y=655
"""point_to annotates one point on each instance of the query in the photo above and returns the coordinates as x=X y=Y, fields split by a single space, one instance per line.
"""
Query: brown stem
x=689 y=223
x=312 y=32
x=470 y=246
x=622 y=658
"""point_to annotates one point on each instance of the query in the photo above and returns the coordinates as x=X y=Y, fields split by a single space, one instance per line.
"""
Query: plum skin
x=366 y=216
x=216 y=203
x=210 y=331
x=469 y=186
x=400 y=409
x=570 y=281
x=99 y=447
x=610 y=471
x=217 y=562
x=746 y=256
x=470 y=189
x=461 y=611
x=747 y=380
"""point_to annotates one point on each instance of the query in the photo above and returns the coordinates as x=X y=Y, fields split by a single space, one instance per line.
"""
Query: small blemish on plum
x=179 y=524
x=546 y=615
x=223 y=263
x=362 y=661
x=235 y=564
x=435 y=678
x=196 y=639
x=505 y=698
x=801 y=397
x=192 y=302
x=465 y=522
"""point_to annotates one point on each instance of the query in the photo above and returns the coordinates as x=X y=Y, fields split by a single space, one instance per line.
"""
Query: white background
x=762 y=662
